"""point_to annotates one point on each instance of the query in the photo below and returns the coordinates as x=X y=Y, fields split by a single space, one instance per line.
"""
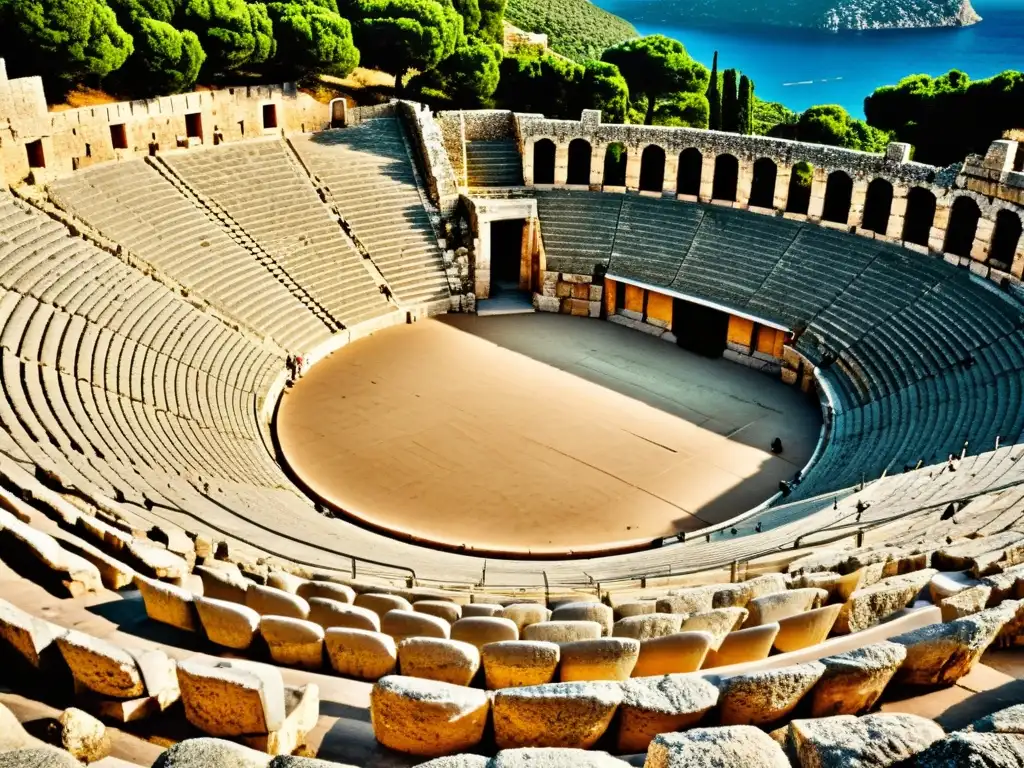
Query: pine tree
x=714 y=98
x=730 y=103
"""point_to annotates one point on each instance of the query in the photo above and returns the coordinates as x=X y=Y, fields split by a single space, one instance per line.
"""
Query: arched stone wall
x=580 y=161
x=652 y=169
x=762 y=184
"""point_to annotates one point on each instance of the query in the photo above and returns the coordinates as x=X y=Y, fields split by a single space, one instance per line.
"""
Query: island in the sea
x=834 y=15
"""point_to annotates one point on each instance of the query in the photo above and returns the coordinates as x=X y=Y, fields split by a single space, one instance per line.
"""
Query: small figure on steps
x=777 y=445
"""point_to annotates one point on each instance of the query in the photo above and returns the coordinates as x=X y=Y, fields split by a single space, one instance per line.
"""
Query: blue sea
x=801 y=68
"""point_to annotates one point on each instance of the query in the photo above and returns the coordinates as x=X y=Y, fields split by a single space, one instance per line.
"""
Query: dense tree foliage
x=730 y=102
x=714 y=96
x=465 y=80
x=225 y=30
x=948 y=117
x=604 y=88
x=575 y=28
x=310 y=37
x=745 y=106
x=831 y=124
x=657 y=67
x=492 y=17
x=687 y=110
x=769 y=114
x=165 y=60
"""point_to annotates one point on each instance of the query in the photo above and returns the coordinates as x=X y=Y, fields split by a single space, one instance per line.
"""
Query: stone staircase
x=494 y=163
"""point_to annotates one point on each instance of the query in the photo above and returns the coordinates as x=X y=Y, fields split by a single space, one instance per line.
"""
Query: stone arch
x=838 y=196
x=963 y=226
x=691 y=161
x=615 y=165
x=920 y=216
x=798 y=199
x=1005 y=239
x=877 y=206
x=544 y=161
x=580 y=156
x=652 y=169
x=727 y=176
x=762 y=186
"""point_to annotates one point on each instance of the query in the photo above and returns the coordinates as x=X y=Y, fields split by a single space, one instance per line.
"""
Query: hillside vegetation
x=575 y=28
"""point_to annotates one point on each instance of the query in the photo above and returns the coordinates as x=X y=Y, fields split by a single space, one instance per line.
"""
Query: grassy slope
x=575 y=28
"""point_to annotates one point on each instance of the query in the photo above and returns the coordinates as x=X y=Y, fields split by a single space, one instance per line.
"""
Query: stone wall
x=439 y=175
x=451 y=125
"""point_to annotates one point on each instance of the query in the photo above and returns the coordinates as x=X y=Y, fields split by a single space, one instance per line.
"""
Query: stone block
x=762 y=698
x=563 y=290
x=480 y=630
x=743 y=645
x=546 y=303
x=982 y=556
x=285 y=581
x=594 y=308
x=598 y=612
x=167 y=603
x=442 y=609
x=782 y=605
x=549 y=757
x=447 y=661
x=579 y=307
x=737 y=745
x=426 y=717
x=854 y=681
x=517 y=663
x=566 y=715
x=806 y=629
x=226 y=623
x=635 y=608
x=580 y=291
x=465 y=760
x=101 y=667
x=965 y=602
x=270 y=601
x=690 y=600
x=80 y=734
x=870 y=605
x=359 y=653
x=222 y=583
x=946 y=584
x=653 y=705
x=681 y=652
x=293 y=642
x=563 y=631
x=381 y=604
x=991 y=750
x=32 y=638
x=525 y=614
x=717 y=622
x=326 y=589
x=880 y=739
x=648 y=626
x=330 y=613
x=481 y=609
x=402 y=624
x=607 y=658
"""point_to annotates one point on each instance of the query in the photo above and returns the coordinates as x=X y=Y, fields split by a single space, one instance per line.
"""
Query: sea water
x=801 y=68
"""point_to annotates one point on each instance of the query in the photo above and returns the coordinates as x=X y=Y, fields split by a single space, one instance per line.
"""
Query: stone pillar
x=818 y=185
x=527 y=161
x=782 y=187
x=1017 y=268
x=857 y=198
x=633 y=160
x=744 y=181
x=982 y=239
x=707 y=179
x=597 y=153
x=526 y=256
x=561 y=164
x=897 y=214
x=668 y=187
x=937 y=235
x=482 y=261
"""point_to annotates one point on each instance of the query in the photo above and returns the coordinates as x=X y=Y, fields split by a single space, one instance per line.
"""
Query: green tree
x=575 y=28
x=465 y=80
x=746 y=105
x=656 y=67
x=604 y=88
x=469 y=10
x=165 y=60
x=62 y=40
x=263 y=34
x=730 y=102
x=492 y=14
x=311 y=38
x=687 y=110
x=831 y=124
x=225 y=30
x=769 y=115
x=399 y=35
x=545 y=84
x=714 y=96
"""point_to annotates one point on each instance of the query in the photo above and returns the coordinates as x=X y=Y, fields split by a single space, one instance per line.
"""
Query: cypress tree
x=714 y=98
x=730 y=103
x=746 y=104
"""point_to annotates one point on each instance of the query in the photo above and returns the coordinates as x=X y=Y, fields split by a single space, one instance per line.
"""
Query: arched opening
x=877 y=206
x=838 y=195
x=1005 y=240
x=688 y=178
x=762 y=187
x=544 y=162
x=798 y=199
x=727 y=174
x=920 y=216
x=579 y=162
x=963 y=226
x=652 y=169
x=615 y=165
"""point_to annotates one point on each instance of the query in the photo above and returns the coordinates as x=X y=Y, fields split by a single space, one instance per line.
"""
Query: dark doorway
x=963 y=226
x=614 y=165
x=652 y=169
x=544 y=162
x=727 y=174
x=337 y=113
x=688 y=178
x=36 y=156
x=762 y=187
x=917 y=223
x=798 y=199
x=699 y=329
x=838 y=196
x=1004 y=240
x=506 y=254
x=194 y=125
x=877 y=206
x=118 y=136
x=579 y=162
x=269 y=116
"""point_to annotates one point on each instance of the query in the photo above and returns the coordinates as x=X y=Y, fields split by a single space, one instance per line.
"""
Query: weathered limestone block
x=442 y=609
x=29 y=636
x=782 y=605
x=648 y=626
x=879 y=739
x=330 y=613
x=481 y=609
x=360 y=653
x=573 y=715
x=737 y=745
x=760 y=698
x=869 y=606
x=447 y=661
x=480 y=630
x=598 y=612
x=690 y=600
x=854 y=681
x=80 y=734
x=681 y=652
x=943 y=653
x=943 y=584
x=806 y=629
x=465 y=760
x=155 y=561
x=653 y=705
x=167 y=603
x=966 y=748
x=341 y=593
x=293 y=642
x=226 y=623
x=102 y=667
x=743 y=645
x=425 y=717
x=43 y=756
x=269 y=601
x=1012 y=633
x=563 y=631
x=982 y=556
x=381 y=604
x=1009 y=720
x=965 y=602
x=759 y=586
x=402 y=624
x=635 y=608
x=517 y=663
x=607 y=658
x=525 y=614
x=718 y=623
x=827 y=580
x=550 y=757
x=862 y=577
x=12 y=734
x=206 y=751
x=1008 y=584
x=222 y=583
x=285 y=581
